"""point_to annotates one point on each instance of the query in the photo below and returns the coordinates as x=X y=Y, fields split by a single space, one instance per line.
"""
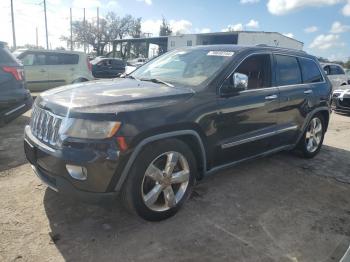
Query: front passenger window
x=258 y=70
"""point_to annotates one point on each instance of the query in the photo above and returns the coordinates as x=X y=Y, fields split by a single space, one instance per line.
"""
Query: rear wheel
x=160 y=180
x=312 y=140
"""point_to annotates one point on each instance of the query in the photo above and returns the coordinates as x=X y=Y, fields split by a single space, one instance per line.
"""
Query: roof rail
x=282 y=48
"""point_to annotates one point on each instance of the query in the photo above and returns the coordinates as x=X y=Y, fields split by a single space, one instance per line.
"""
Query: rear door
x=246 y=120
x=296 y=78
x=118 y=67
x=62 y=68
x=35 y=71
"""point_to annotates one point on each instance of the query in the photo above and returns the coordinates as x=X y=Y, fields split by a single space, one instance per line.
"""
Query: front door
x=35 y=70
x=246 y=120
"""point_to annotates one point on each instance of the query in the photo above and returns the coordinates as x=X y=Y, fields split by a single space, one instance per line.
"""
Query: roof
x=50 y=51
x=326 y=64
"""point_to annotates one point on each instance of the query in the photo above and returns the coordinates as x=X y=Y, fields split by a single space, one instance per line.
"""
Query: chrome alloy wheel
x=165 y=181
x=314 y=135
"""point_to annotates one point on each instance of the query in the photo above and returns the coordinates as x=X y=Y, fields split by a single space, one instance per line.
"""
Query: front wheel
x=312 y=140
x=160 y=180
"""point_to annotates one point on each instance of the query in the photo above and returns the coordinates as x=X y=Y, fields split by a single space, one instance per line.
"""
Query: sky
x=323 y=25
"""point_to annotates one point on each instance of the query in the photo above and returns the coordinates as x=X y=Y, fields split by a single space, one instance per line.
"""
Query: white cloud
x=86 y=4
x=177 y=26
x=281 y=7
x=205 y=30
x=243 y=2
x=338 y=28
x=253 y=24
x=147 y=2
x=323 y=42
x=236 y=27
x=346 y=9
x=311 y=29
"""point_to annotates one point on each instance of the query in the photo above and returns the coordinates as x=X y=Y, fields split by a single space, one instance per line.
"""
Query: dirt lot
x=280 y=208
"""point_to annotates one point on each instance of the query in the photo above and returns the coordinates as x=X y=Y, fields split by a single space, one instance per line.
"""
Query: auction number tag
x=220 y=53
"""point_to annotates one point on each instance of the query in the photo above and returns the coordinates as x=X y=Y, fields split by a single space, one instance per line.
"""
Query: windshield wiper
x=156 y=80
x=129 y=76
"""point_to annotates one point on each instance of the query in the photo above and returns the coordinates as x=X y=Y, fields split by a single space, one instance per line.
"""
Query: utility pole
x=47 y=35
x=71 y=31
x=36 y=37
x=98 y=32
x=13 y=26
x=84 y=23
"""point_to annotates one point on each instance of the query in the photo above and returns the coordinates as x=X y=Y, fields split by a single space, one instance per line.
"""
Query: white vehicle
x=45 y=69
x=336 y=74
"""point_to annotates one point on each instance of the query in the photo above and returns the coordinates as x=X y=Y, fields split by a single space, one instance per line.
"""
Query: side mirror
x=240 y=81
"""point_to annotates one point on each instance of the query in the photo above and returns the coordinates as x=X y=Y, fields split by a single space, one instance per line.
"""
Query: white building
x=237 y=38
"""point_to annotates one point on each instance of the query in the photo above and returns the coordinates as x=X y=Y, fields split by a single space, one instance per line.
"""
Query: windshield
x=190 y=67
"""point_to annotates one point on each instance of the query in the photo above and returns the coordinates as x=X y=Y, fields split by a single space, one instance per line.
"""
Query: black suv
x=190 y=112
x=15 y=99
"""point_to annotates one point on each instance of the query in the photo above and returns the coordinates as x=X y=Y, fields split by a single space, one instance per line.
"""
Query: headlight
x=81 y=128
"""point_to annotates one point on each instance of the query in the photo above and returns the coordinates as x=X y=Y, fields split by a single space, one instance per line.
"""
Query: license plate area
x=31 y=152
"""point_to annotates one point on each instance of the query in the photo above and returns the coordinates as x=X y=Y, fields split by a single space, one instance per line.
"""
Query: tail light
x=17 y=73
x=89 y=64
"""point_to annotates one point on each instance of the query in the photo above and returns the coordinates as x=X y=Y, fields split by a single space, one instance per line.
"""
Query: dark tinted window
x=327 y=69
x=339 y=70
x=258 y=70
x=118 y=63
x=6 y=57
x=310 y=71
x=62 y=59
x=288 y=71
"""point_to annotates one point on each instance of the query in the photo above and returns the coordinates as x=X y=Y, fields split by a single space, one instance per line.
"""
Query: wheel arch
x=190 y=137
x=324 y=111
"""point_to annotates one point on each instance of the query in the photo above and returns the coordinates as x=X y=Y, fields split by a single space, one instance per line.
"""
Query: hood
x=111 y=96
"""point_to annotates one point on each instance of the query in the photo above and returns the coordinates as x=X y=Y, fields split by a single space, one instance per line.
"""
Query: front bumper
x=341 y=104
x=100 y=160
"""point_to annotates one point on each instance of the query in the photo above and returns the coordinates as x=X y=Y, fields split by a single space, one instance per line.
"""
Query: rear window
x=6 y=57
x=310 y=71
x=288 y=71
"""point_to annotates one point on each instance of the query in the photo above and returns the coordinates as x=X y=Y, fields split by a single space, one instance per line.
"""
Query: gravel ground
x=279 y=208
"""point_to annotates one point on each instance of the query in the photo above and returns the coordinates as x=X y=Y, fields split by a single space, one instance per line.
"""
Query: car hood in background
x=111 y=96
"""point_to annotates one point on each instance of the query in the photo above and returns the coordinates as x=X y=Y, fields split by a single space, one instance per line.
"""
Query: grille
x=345 y=102
x=45 y=125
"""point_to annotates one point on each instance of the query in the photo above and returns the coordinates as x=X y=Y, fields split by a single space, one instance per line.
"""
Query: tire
x=151 y=190
x=311 y=142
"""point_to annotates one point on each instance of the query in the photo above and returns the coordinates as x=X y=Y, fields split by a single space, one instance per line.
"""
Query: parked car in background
x=15 y=99
x=186 y=114
x=347 y=71
x=47 y=69
x=133 y=64
x=336 y=74
x=341 y=99
x=107 y=67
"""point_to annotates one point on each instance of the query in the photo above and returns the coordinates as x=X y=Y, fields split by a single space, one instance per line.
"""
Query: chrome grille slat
x=45 y=125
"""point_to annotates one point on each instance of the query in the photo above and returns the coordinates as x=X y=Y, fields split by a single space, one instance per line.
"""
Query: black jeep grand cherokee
x=150 y=135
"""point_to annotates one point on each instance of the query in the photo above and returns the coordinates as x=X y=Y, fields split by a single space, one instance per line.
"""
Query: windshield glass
x=190 y=67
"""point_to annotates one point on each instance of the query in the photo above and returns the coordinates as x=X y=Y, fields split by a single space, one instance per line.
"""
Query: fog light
x=77 y=172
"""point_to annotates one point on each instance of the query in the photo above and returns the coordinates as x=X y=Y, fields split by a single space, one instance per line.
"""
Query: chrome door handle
x=271 y=97
x=308 y=91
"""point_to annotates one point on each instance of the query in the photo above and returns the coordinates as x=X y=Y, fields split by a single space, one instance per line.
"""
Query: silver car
x=336 y=74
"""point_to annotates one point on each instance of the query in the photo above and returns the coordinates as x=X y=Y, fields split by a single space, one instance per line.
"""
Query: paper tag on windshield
x=220 y=53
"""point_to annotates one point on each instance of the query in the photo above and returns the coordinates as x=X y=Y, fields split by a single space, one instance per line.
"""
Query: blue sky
x=328 y=21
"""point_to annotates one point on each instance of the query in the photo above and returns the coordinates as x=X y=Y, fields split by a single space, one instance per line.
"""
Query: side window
x=189 y=42
x=68 y=59
x=287 y=70
x=340 y=70
x=310 y=71
x=327 y=69
x=28 y=59
x=40 y=59
x=258 y=70
x=52 y=59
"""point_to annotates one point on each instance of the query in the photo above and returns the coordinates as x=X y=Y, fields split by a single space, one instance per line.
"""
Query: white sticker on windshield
x=220 y=53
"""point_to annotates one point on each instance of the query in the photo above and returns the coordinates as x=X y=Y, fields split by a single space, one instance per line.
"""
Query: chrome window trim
x=258 y=137
x=273 y=53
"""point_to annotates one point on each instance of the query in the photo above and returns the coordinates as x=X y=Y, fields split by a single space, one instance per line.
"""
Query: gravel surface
x=279 y=208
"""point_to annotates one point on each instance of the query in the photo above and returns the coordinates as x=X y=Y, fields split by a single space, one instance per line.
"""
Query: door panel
x=245 y=124
x=246 y=120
